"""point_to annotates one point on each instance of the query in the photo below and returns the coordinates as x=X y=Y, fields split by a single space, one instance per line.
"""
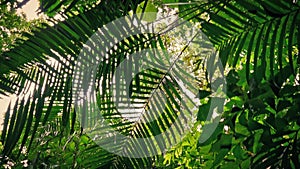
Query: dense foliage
x=12 y=26
x=258 y=43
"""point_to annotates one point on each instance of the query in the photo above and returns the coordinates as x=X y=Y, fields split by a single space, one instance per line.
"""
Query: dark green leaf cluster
x=258 y=43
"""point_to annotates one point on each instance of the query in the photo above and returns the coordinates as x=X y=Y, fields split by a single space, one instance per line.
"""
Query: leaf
x=242 y=119
x=204 y=111
x=220 y=156
x=147 y=11
x=239 y=153
x=203 y=94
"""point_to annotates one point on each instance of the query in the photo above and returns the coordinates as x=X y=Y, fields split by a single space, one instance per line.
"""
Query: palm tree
x=257 y=43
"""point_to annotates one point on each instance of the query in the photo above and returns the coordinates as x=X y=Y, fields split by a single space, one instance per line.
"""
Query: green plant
x=258 y=43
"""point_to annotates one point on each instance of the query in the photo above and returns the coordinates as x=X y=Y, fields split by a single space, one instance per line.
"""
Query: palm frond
x=29 y=64
x=260 y=39
x=262 y=34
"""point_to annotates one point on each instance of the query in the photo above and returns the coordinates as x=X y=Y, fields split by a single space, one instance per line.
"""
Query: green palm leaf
x=258 y=39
